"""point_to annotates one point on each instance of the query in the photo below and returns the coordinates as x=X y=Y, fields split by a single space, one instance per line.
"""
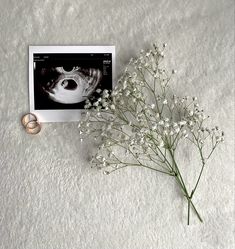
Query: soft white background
x=50 y=198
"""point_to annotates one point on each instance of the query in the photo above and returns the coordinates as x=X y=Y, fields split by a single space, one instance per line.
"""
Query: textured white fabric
x=49 y=196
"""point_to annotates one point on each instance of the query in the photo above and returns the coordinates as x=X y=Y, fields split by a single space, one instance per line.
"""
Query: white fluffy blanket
x=49 y=196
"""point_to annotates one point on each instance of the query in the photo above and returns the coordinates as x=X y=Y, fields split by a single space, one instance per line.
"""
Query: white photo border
x=62 y=115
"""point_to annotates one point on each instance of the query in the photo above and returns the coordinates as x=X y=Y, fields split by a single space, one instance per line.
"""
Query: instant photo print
x=61 y=78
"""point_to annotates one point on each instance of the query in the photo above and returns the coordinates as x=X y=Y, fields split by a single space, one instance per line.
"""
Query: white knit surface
x=50 y=198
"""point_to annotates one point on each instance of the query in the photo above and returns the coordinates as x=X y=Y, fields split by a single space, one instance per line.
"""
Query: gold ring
x=31 y=124
x=27 y=118
x=33 y=127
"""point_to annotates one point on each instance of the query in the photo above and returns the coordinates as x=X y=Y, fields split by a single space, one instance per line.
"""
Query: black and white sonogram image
x=65 y=81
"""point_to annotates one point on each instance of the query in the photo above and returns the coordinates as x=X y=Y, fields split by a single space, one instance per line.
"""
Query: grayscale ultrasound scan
x=65 y=81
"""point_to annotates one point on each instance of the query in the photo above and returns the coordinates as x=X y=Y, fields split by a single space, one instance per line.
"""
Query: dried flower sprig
x=141 y=124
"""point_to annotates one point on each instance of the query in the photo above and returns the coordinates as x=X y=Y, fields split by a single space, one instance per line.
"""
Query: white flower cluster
x=140 y=116
x=140 y=123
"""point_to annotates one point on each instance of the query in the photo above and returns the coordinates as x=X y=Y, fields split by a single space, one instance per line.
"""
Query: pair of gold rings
x=31 y=124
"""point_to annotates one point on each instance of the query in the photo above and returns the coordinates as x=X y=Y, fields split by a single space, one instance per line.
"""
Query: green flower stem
x=127 y=164
x=181 y=183
x=195 y=210
x=177 y=170
x=188 y=211
x=189 y=199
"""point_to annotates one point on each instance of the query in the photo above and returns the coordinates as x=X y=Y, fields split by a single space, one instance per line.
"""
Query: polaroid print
x=61 y=78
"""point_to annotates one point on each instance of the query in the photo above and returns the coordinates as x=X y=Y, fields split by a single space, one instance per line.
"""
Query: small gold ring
x=31 y=124
x=27 y=118
x=33 y=127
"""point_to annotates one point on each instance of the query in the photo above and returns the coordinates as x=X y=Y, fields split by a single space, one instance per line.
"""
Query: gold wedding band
x=31 y=124
x=27 y=118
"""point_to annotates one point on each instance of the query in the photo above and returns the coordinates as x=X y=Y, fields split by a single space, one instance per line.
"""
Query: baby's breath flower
x=112 y=107
x=165 y=102
x=182 y=123
x=161 y=122
x=161 y=144
x=141 y=123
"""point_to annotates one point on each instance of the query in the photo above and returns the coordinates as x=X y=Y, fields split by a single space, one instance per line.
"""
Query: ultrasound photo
x=61 y=78
x=64 y=81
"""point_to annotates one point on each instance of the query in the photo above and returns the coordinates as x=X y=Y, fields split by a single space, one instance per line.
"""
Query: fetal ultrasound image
x=65 y=81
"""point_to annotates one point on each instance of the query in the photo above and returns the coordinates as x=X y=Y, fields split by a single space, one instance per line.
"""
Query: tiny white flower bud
x=161 y=144
x=112 y=107
x=161 y=122
x=182 y=123
x=191 y=113
x=164 y=102
x=177 y=130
